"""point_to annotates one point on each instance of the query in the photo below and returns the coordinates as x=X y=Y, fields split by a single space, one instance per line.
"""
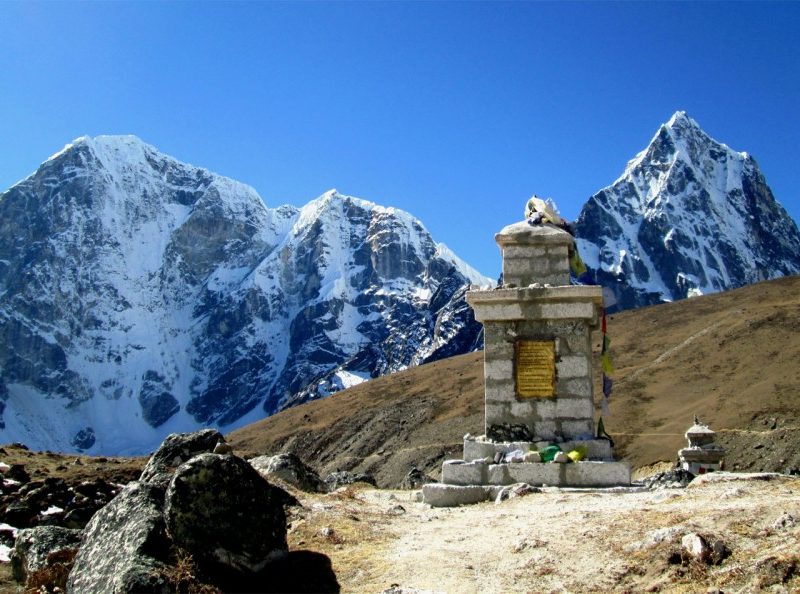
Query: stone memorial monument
x=538 y=373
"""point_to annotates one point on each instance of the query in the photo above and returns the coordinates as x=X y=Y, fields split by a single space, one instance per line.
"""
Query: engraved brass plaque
x=536 y=368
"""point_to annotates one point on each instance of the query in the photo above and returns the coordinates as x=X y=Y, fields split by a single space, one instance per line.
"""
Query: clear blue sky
x=454 y=111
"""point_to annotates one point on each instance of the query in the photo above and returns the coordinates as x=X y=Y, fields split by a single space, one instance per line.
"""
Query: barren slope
x=730 y=358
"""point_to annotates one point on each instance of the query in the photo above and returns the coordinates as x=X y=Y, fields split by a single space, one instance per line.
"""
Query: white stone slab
x=464 y=473
x=439 y=495
x=597 y=474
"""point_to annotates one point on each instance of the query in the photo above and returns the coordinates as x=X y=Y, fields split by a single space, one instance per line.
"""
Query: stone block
x=598 y=449
x=475 y=450
x=597 y=474
x=524 y=409
x=523 y=251
x=496 y=392
x=499 y=349
x=534 y=473
x=498 y=474
x=458 y=472
x=546 y=430
x=499 y=311
x=577 y=429
x=580 y=387
x=439 y=495
x=572 y=367
x=545 y=408
x=574 y=408
x=567 y=310
x=498 y=370
x=497 y=414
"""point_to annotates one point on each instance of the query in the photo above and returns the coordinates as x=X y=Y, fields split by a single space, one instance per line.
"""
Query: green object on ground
x=549 y=453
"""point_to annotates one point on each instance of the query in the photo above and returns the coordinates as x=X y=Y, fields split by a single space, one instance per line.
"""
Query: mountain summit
x=688 y=216
x=141 y=296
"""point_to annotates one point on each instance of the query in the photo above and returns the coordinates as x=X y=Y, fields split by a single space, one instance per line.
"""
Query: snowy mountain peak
x=140 y=296
x=688 y=216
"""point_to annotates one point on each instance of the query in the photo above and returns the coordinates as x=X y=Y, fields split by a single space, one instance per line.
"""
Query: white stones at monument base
x=561 y=458
x=596 y=474
x=568 y=474
x=536 y=474
x=476 y=449
x=458 y=472
x=441 y=495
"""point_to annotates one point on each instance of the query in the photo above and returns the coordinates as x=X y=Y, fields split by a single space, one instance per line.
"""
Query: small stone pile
x=189 y=503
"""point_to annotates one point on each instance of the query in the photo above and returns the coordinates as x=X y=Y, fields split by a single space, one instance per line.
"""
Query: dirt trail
x=561 y=541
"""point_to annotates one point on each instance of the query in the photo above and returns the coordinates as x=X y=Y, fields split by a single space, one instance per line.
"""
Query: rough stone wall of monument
x=570 y=415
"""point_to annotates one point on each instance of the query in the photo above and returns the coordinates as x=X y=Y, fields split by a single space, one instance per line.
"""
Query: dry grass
x=729 y=358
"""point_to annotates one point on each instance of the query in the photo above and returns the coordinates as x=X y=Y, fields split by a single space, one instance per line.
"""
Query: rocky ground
x=362 y=539
x=561 y=541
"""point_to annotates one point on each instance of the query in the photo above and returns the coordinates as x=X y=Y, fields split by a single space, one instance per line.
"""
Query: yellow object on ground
x=578 y=453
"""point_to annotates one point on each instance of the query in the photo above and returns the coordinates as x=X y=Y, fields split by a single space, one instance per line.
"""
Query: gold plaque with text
x=536 y=368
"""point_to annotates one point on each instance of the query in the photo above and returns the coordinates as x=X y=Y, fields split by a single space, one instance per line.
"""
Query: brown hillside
x=730 y=358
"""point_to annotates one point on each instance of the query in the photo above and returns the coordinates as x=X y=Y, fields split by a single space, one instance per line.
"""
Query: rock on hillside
x=688 y=216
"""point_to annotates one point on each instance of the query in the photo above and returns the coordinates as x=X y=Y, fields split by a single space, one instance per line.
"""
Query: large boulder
x=340 y=478
x=125 y=547
x=35 y=548
x=223 y=512
x=176 y=449
x=291 y=469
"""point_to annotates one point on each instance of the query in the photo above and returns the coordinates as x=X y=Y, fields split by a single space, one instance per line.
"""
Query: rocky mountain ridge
x=688 y=216
x=140 y=296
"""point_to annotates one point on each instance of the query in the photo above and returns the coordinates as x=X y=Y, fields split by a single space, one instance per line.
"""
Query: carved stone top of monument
x=535 y=254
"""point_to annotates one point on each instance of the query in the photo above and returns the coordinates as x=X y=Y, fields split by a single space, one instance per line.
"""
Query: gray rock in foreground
x=220 y=509
x=34 y=545
x=176 y=449
x=125 y=547
x=289 y=468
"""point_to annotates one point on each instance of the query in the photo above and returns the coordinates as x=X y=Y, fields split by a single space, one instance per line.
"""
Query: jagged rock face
x=141 y=296
x=689 y=216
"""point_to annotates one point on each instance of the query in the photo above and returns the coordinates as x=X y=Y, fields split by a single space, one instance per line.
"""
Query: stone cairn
x=702 y=455
x=540 y=426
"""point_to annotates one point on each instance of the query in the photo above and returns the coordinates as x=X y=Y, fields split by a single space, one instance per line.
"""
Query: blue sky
x=454 y=111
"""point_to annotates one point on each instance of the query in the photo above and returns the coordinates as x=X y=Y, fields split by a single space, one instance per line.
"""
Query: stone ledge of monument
x=532 y=292
x=597 y=449
x=466 y=473
x=536 y=474
x=441 y=495
x=521 y=233
x=597 y=474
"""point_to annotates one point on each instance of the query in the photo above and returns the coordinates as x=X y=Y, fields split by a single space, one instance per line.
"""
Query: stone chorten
x=538 y=373
x=702 y=455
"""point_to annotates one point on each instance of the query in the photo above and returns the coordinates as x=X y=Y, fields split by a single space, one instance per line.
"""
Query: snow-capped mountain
x=140 y=296
x=688 y=216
